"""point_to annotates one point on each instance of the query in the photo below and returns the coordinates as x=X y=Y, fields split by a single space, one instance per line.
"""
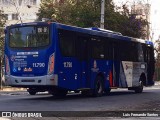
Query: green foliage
x=86 y=13
x=2 y=23
x=157 y=64
x=82 y=13
x=47 y=9
x=128 y=24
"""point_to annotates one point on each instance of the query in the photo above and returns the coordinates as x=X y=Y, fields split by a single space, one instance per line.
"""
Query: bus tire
x=32 y=92
x=98 y=87
x=107 y=91
x=140 y=88
x=86 y=93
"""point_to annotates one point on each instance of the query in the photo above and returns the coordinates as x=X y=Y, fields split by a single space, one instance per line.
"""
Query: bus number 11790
x=38 y=64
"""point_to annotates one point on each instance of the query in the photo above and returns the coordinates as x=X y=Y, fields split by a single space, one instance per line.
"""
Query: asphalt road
x=119 y=100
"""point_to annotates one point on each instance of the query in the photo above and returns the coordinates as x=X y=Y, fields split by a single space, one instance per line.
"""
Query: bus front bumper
x=31 y=81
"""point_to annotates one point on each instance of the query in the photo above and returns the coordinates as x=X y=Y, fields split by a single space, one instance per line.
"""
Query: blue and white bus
x=59 y=58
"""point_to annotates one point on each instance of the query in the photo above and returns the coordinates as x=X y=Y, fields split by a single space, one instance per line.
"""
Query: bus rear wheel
x=107 y=91
x=99 y=87
x=140 y=88
x=86 y=93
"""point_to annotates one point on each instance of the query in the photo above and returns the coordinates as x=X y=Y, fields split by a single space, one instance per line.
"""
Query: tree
x=157 y=65
x=47 y=9
x=82 y=13
x=2 y=23
x=130 y=25
x=86 y=13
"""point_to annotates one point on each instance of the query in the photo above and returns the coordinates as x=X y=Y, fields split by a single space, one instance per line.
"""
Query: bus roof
x=103 y=32
x=92 y=31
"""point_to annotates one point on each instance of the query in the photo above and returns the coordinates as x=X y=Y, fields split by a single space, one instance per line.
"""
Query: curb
x=7 y=89
x=157 y=83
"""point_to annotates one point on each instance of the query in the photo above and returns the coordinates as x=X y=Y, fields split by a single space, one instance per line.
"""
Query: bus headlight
x=51 y=64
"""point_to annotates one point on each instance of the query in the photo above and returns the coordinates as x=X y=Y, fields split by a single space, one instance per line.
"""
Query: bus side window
x=82 y=48
x=144 y=52
x=108 y=49
x=67 y=43
x=128 y=51
x=98 y=48
x=140 y=53
x=134 y=52
x=123 y=55
x=116 y=51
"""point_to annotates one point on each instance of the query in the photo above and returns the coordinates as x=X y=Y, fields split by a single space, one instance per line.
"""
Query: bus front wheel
x=99 y=87
x=32 y=92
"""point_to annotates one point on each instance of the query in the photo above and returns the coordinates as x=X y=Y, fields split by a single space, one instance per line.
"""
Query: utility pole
x=102 y=14
x=147 y=9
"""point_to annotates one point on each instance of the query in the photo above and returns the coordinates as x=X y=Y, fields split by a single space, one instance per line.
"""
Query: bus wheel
x=99 y=87
x=140 y=88
x=107 y=91
x=86 y=93
x=32 y=92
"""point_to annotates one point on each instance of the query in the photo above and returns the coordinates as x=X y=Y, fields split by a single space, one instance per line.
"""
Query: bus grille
x=27 y=80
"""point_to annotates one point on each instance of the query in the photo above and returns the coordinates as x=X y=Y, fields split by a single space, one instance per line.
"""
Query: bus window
x=67 y=43
x=134 y=52
x=140 y=53
x=116 y=50
x=108 y=49
x=127 y=51
x=15 y=38
x=98 y=48
x=82 y=48
x=144 y=52
x=31 y=36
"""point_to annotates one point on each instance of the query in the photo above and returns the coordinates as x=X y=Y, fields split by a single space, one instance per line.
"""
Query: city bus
x=50 y=56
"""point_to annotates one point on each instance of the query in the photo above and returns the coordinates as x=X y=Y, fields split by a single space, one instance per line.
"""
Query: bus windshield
x=30 y=36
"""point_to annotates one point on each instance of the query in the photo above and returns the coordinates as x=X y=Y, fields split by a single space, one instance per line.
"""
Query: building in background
x=154 y=15
x=17 y=11
x=142 y=11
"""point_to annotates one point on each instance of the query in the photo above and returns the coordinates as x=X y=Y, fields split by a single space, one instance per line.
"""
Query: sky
x=154 y=17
